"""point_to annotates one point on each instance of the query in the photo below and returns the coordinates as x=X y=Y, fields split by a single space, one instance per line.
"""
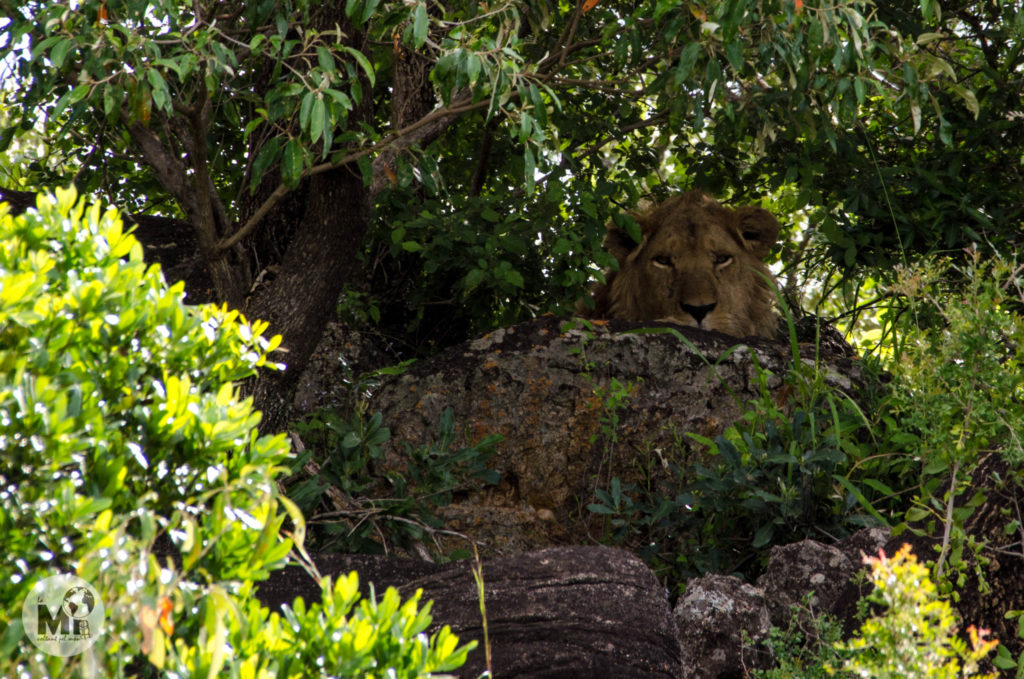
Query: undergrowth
x=800 y=463
x=357 y=499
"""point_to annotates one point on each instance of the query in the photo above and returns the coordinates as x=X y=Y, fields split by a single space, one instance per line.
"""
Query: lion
x=699 y=264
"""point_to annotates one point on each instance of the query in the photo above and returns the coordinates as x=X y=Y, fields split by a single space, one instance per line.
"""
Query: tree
x=473 y=152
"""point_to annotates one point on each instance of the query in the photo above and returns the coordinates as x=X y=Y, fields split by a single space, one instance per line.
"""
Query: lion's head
x=699 y=263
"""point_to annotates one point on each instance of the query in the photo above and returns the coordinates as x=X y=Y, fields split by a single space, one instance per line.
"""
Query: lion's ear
x=758 y=228
x=618 y=241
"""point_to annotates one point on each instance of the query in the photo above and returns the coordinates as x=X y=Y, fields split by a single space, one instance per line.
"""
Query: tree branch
x=423 y=130
x=169 y=171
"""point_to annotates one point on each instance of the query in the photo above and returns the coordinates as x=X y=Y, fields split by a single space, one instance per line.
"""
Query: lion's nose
x=698 y=312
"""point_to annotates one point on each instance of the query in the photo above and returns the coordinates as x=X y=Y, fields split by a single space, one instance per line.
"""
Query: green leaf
x=161 y=96
x=861 y=499
x=369 y=7
x=734 y=53
x=763 y=536
x=364 y=63
x=915 y=514
x=265 y=159
x=317 y=118
x=43 y=45
x=515 y=278
x=60 y=52
x=6 y=136
x=529 y=169
x=969 y=98
x=340 y=98
x=325 y=59
x=687 y=60
x=473 y=279
x=305 y=108
x=79 y=93
x=927 y=9
x=474 y=67
x=420 y=24
x=291 y=163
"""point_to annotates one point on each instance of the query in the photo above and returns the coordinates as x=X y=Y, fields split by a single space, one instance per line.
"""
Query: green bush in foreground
x=119 y=426
x=912 y=636
x=916 y=635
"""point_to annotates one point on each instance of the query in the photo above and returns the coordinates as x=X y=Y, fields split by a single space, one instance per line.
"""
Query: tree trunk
x=319 y=260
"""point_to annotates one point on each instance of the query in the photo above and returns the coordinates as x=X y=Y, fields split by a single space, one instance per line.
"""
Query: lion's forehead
x=695 y=237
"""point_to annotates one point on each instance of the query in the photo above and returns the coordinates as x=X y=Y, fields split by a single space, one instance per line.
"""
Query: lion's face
x=699 y=264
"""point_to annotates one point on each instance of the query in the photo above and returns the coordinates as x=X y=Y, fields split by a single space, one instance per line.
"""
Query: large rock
x=586 y=612
x=592 y=611
x=807 y=573
x=720 y=620
x=579 y=405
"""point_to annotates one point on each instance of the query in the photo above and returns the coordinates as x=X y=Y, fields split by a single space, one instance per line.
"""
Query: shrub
x=120 y=426
x=912 y=635
x=386 y=506
x=915 y=634
x=958 y=357
x=780 y=474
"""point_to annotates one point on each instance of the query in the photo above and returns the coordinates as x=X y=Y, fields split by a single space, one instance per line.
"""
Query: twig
x=947 y=525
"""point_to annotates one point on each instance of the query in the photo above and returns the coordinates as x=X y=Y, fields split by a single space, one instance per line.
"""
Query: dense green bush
x=120 y=429
x=959 y=348
x=914 y=636
x=912 y=633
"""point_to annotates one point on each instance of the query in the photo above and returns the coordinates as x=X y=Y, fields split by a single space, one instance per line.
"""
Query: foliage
x=374 y=638
x=912 y=634
x=385 y=505
x=806 y=648
x=915 y=634
x=800 y=468
x=121 y=430
x=555 y=117
x=958 y=357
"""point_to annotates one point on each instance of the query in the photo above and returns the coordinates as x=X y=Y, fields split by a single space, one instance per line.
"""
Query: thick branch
x=424 y=130
x=169 y=171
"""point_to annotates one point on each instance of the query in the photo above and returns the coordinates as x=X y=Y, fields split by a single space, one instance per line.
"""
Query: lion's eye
x=723 y=260
x=662 y=260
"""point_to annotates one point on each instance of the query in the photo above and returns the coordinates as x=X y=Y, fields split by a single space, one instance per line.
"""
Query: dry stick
x=478 y=576
x=946 y=529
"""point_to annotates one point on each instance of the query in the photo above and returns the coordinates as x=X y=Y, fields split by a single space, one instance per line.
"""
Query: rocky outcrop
x=600 y=612
x=579 y=404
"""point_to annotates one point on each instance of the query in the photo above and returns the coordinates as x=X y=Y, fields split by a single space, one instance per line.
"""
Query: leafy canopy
x=876 y=120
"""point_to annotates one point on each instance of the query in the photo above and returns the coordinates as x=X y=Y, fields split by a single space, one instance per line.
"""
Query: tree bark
x=571 y=612
x=319 y=260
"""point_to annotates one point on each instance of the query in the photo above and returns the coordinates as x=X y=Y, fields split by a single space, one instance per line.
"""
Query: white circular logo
x=63 y=615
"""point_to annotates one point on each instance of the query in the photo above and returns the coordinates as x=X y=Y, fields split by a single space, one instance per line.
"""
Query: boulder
x=719 y=616
x=807 y=573
x=579 y=404
x=586 y=612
